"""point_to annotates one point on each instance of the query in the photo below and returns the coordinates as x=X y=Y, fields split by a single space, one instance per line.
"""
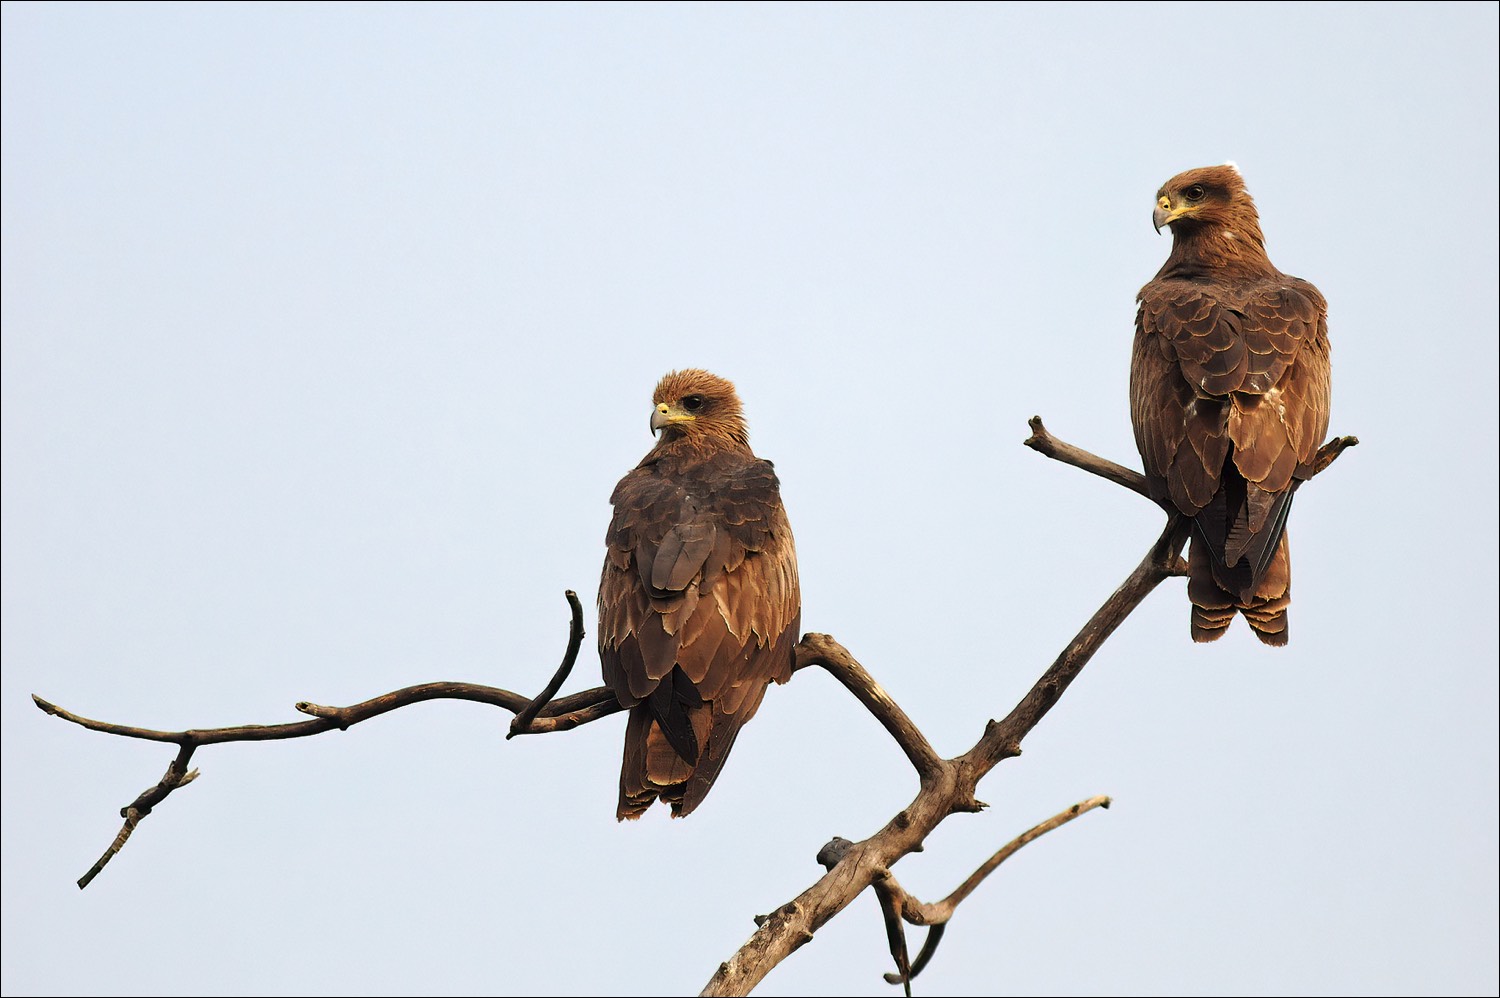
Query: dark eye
x=1194 y=193
x=693 y=403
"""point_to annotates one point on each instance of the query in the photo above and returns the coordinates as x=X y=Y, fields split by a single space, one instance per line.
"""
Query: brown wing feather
x=1181 y=434
x=700 y=585
x=1229 y=399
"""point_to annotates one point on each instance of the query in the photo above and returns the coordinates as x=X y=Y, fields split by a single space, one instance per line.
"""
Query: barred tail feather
x=656 y=768
x=1215 y=603
x=1266 y=613
x=1213 y=607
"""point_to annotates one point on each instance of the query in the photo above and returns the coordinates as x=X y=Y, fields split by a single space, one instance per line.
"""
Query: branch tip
x=1329 y=453
x=929 y=947
x=571 y=711
x=317 y=710
x=1044 y=443
x=522 y=723
x=1039 y=435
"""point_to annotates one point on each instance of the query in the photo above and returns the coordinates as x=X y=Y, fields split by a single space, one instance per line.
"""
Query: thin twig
x=942 y=911
x=573 y=718
x=896 y=901
x=567 y=712
x=1043 y=442
x=929 y=947
x=521 y=723
x=892 y=901
x=556 y=715
x=1046 y=444
x=325 y=718
x=938 y=915
x=132 y=818
x=1329 y=453
x=176 y=776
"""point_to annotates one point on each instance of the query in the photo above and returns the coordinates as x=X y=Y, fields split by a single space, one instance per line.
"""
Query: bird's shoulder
x=719 y=475
x=1178 y=304
x=1230 y=335
x=730 y=488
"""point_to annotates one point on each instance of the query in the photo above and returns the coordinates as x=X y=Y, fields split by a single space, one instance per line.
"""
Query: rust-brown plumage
x=699 y=604
x=1229 y=394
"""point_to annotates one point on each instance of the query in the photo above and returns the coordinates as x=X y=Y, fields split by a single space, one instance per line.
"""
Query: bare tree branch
x=177 y=775
x=568 y=720
x=325 y=718
x=892 y=910
x=929 y=948
x=1330 y=452
x=947 y=786
x=951 y=789
x=557 y=715
x=935 y=914
x=939 y=914
x=1002 y=739
x=820 y=649
x=521 y=723
x=1046 y=444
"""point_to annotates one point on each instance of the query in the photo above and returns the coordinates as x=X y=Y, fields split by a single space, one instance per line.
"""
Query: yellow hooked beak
x=1165 y=214
x=665 y=415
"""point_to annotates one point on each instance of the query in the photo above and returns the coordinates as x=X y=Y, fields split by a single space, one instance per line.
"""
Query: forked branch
x=952 y=790
x=895 y=900
x=542 y=714
x=521 y=723
x=947 y=786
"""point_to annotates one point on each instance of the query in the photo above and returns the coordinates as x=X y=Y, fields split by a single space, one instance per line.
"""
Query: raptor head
x=696 y=404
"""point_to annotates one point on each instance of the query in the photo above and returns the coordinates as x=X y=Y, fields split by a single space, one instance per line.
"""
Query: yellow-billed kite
x=699 y=604
x=1229 y=394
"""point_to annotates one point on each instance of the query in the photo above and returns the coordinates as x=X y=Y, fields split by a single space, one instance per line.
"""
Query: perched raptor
x=699 y=604
x=1229 y=391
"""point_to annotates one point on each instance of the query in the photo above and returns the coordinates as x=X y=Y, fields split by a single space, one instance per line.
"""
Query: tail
x=1218 y=593
x=675 y=746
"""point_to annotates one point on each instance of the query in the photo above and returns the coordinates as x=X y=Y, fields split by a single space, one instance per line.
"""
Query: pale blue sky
x=328 y=330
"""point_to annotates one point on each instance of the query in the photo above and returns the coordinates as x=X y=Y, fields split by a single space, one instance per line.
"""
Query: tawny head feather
x=693 y=403
x=1210 y=196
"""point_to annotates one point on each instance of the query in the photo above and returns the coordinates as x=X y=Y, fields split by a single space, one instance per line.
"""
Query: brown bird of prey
x=1229 y=391
x=699 y=604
